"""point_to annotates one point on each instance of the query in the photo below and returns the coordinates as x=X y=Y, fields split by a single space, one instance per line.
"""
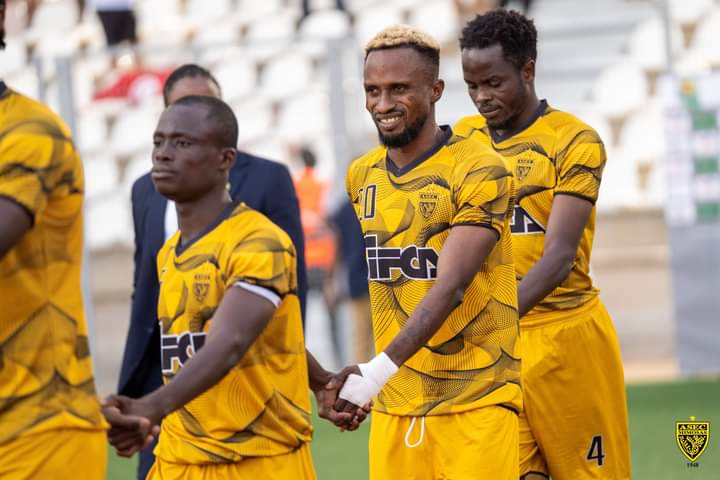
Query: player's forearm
x=425 y=320
x=205 y=369
x=552 y=269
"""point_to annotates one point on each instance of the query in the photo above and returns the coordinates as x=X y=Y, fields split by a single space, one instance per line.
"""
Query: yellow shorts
x=64 y=453
x=296 y=465
x=475 y=445
x=574 y=424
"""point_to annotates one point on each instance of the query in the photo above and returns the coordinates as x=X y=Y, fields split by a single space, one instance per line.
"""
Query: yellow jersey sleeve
x=263 y=259
x=33 y=162
x=580 y=166
x=484 y=194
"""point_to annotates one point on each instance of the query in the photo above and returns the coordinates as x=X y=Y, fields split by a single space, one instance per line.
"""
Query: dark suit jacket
x=262 y=184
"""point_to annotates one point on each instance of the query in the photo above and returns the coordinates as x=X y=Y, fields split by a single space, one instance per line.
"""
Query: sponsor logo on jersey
x=175 y=350
x=524 y=224
x=692 y=438
x=417 y=263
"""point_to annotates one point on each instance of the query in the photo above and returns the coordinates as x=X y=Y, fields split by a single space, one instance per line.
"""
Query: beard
x=405 y=137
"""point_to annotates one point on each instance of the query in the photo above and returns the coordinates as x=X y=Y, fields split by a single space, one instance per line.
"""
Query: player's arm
x=456 y=270
x=15 y=221
x=237 y=322
x=568 y=217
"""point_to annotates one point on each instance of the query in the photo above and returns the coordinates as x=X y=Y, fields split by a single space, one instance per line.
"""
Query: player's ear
x=227 y=158
x=437 y=90
x=527 y=72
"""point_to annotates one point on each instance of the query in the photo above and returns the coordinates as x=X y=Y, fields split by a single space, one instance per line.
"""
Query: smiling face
x=401 y=89
x=502 y=92
x=187 y=159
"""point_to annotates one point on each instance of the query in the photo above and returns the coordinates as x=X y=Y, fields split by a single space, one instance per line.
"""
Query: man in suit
x=262 y=184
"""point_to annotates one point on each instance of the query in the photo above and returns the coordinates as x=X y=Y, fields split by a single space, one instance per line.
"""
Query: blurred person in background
x=350 y=261
x=50 y=421
x=319 y=239
x=118 y=20
x=572 y=372
x=262 y=184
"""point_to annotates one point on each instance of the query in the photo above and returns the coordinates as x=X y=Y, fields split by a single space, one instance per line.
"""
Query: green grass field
x=654 y=409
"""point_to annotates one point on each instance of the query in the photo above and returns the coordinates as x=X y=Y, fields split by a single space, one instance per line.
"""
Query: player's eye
x=182 y=143
x=399 y=88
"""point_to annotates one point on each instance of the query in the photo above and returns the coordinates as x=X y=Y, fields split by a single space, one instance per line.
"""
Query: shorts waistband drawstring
x=410 y=429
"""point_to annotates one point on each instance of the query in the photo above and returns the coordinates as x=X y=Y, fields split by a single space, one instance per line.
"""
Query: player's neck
x=522 y=121
x=195 y=216
x=425 y=140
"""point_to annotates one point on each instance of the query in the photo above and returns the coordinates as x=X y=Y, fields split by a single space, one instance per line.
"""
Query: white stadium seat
x=237 y=77
x=689 y=12
x=293 y=124
x=14 y=57
x=438 y=18
x=202 y=10
x=325 y=24
x=108 y=221
x=102 y=177
x=133 y=129
x=92 y=132
x=139 y=165
x=620 y=183
x=620 y=89
x=643 y=135
x=255 y=119
x=286 y=75
x=373 y=19
x=706 y=37
x=647 y=44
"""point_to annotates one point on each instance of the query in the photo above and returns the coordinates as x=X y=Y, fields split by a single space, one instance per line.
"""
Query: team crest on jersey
x=201 y=285
x=427 y=203
x=417 y=263
x=692 y=438
x=523 y=168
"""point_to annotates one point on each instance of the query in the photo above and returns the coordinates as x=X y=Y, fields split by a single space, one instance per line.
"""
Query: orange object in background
x=319 y=239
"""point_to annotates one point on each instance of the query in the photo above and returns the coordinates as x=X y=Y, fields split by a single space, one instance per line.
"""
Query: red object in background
x=135 y=85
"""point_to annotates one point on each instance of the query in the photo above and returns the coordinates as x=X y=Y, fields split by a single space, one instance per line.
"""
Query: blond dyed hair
x=405 y=36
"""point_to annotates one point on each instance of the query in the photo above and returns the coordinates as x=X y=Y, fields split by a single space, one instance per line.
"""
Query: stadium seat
x=108 y=222
x=270 y=36
x=132 y=131
x=102 y=176
x=325 y=24
x=216 y=35
x=237 y=77
x=203 y=10
x=154 y=9
x=166 y=30
x=689 y=12
x=293 y=124
x=691 y=62
x=619 y=187
x=254 y=9
x=255 y=119
x=620 y=89
x=642 y=138
x=92 y=132
x=373 y=19
x=438 y=18
x=56 y=15
x=647 y=44
x=706 y=37
x=597 y=121
x=268 y=147
x=139 y=165
x=24 y=81
x=286 y=75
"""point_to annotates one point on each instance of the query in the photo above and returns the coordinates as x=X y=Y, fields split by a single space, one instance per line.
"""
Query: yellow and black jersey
x=556 y=154
x=406 y=215
x=262 y=406
x=46 y=378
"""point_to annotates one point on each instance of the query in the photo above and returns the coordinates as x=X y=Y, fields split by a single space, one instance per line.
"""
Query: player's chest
x=190 y=290
x=532 y=168
x=400 y=205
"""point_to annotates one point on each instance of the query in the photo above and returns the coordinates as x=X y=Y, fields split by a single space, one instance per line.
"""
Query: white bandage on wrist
x=359 y=390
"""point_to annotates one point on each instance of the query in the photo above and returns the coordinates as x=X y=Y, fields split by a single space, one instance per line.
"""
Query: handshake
x=344 y=399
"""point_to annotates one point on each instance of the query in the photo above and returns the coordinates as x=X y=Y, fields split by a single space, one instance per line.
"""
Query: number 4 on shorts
x=595 y=452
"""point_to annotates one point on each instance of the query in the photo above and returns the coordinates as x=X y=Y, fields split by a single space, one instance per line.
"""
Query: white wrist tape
x=359 y=390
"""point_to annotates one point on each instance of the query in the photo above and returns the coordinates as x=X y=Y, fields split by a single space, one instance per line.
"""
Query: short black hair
x=513 y=31
x=189 y=70
x=219 y=114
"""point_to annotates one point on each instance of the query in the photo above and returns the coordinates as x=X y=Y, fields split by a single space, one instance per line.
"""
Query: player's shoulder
x=469 y=125
x=245 y=223
x=31 y=117
x=469 y=150
x=567 y=126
